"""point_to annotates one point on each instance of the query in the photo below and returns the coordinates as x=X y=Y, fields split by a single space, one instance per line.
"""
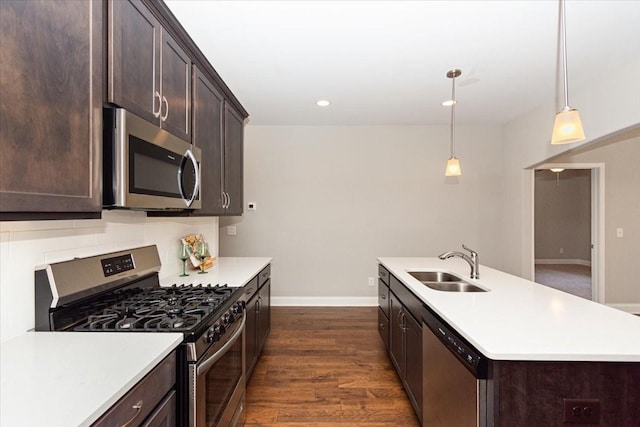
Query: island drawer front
x=383 y=273
x=383 y=297
x=409 y=300
x=146 y=395
x=265 y=274
x=250 y=289
x=383 y=328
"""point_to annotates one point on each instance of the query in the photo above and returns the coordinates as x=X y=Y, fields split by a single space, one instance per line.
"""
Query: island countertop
x=522 y=320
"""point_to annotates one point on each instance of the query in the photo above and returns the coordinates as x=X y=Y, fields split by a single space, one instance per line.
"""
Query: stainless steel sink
x=435 y=276
x=446 y=282
x=454 y=286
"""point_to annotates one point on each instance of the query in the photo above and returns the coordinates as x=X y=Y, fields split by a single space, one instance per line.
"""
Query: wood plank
x=326 y=366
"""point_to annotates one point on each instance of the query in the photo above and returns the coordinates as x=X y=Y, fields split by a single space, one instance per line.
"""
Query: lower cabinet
x=258 y=317
x=150 y=403
x=405 y=341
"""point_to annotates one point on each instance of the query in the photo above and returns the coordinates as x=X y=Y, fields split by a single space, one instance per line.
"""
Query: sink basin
x=454 y=286
x=446 y=282
x=435 y=276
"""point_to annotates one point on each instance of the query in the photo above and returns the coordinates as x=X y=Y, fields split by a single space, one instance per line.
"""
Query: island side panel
x=532 y=393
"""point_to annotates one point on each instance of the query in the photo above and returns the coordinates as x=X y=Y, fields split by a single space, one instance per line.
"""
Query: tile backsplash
x=27 y=245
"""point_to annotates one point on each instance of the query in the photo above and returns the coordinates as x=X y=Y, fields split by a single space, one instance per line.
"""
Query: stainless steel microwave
x=146 y=167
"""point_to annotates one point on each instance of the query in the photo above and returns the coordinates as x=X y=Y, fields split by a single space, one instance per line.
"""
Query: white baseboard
x=324 y=301
x=629 y=308
x=564 y=261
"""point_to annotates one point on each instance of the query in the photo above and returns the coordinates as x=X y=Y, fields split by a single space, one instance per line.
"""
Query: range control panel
x=117 y=265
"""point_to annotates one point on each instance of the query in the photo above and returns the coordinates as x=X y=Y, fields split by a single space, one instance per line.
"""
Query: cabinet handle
x=383 y=296
x=138 y=408
x=228 y=200
x=166 y=111
x=157 y=113
x=381 y=325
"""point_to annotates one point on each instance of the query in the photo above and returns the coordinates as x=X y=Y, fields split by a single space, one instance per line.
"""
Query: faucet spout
x=472 y=259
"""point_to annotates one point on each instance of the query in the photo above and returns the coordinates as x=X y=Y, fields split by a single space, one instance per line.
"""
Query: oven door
x=217 y=382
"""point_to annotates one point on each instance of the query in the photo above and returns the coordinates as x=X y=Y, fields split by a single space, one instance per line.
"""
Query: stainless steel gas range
x=120 y=292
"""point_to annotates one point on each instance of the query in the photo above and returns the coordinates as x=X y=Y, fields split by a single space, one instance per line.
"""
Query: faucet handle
x=470 y=250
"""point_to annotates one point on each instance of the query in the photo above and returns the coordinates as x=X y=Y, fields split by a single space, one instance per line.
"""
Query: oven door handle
x=206 y=364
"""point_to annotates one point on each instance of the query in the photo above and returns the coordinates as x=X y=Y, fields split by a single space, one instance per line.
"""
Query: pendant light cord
x=563 y=35
x=453 y=113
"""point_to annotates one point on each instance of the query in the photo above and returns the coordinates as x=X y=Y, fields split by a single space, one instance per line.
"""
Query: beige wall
x=563 y=215
x=622 y=210
x=332 y=199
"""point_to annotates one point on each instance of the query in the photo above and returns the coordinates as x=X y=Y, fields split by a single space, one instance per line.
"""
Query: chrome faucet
x=472 y=260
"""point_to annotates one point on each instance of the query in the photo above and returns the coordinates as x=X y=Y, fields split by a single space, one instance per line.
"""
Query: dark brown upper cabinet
x=233 y=160
x=50 y=109
x=218 y=130
x=149 y=73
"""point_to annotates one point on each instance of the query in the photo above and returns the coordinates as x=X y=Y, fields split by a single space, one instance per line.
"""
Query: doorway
x=568 y=221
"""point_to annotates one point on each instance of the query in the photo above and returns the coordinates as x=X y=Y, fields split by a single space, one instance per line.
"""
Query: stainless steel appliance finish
x=120 y=292
x=454 y=377
x=146 y=167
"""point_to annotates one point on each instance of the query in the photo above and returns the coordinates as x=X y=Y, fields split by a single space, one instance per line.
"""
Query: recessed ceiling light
x=323 y=103
x=448 y=103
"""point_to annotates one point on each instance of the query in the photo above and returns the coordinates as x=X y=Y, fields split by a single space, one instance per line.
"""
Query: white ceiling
x=385 y=62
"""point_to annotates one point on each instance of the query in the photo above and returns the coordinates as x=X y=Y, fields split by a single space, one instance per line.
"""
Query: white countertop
x=232 y=271
x=522 y=320
x=71 y=378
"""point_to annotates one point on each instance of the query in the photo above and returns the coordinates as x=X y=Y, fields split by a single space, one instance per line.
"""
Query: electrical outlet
x=561 y=250
x=581 y=411
x=619 y=232
x=231 y=230
x=372 y=281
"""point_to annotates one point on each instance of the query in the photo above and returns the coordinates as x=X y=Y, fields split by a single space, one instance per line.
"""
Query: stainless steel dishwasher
x=454 y=377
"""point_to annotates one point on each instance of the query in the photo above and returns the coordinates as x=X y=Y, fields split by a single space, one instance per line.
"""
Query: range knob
x=214 y=333
x=238 y=308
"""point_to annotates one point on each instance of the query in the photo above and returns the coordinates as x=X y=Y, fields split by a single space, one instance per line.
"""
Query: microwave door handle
x=196 y=187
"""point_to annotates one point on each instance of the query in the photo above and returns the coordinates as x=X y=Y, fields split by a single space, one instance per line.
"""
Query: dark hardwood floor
x=326 y=366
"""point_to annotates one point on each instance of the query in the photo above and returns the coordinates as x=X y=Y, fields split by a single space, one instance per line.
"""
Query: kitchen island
x=542 y=345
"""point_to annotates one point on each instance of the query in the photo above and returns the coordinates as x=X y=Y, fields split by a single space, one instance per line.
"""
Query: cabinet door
x=208 y=105
x=175 y=88
x=396 y=333
x=264 y=314
x=134 y=59
x=50 y=108
x=251 y=335
x=233 y=159
x=413 y=362
x=165 y=414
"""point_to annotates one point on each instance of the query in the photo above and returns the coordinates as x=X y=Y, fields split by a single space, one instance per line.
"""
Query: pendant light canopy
x=567 y=127
x=453 y=164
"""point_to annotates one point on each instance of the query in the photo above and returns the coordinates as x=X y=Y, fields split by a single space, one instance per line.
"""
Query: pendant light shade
x=567 y=127
x=453 y=167
x=453 y=164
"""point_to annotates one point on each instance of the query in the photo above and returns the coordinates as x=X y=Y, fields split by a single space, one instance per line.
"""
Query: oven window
x=221 y=380
x=153 y=170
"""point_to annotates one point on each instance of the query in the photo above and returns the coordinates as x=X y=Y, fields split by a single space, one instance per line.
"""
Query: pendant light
x=567 y=127
x=453 y=164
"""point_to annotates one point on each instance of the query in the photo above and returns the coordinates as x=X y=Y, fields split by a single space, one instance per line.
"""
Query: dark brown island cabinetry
x=218 y=130
x=50 y=109
x=150 y=403
x=383 y=305
x=405 y=336
x=258 y=297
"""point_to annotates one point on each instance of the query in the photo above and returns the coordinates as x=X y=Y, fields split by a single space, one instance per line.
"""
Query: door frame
x=597 y=223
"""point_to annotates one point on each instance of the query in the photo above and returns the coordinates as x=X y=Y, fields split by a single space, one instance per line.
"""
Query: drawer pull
x=138 y=408
x=383 y=296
